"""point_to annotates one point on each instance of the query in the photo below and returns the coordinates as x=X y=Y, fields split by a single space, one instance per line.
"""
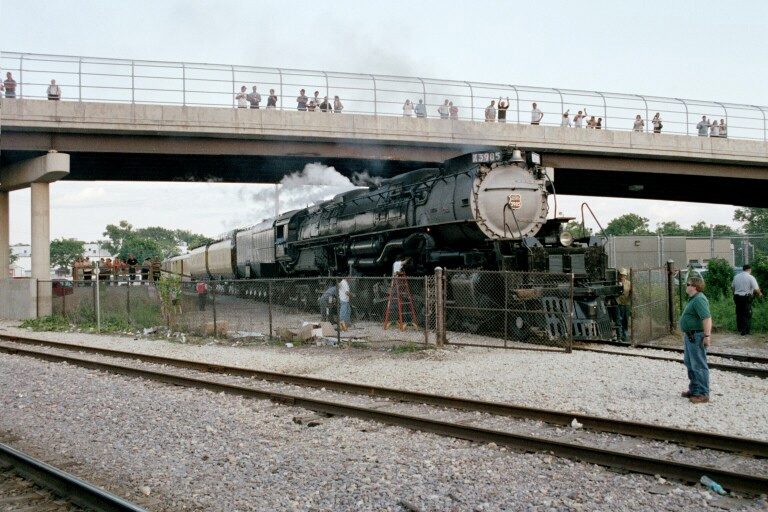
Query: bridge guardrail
x=216 y=85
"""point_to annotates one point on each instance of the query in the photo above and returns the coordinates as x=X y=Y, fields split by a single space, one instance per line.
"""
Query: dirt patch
x=756 y=344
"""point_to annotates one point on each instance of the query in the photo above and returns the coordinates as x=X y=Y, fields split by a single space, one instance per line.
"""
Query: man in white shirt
x=54 y=91
x=744 y=287
x=536 y=115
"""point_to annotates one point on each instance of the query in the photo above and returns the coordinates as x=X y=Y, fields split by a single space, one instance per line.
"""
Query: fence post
x=671 y=294
x=269 y=306
x=426 y=311
x=569 y=341
x=439 y=307
x=213 y=304
x=338 y=312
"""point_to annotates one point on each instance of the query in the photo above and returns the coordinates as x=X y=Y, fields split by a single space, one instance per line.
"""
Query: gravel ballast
x=184 y=449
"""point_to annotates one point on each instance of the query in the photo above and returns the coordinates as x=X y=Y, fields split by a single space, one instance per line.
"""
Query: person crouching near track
x=696 y=324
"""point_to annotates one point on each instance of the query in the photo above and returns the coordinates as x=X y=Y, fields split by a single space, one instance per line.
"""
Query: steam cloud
x=315 y=183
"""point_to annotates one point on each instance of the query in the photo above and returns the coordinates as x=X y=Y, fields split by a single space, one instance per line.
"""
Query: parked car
x=696 y=272
x=62 y=287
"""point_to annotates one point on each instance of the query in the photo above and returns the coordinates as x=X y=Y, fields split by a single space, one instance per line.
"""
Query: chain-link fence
x=480 y=308
x=323 y=310
x=508 y=308
x=650 y=303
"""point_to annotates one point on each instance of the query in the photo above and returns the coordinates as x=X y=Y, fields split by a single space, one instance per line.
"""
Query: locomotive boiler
x=479 y=212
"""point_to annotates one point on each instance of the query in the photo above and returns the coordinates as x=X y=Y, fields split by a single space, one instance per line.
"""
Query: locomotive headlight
x=566 y=238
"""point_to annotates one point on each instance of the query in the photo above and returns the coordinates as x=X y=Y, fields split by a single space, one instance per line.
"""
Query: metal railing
x=215 y=85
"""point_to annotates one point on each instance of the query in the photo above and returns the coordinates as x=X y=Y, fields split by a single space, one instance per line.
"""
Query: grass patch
x=407 y=348
x=724 y=314
x=55 y=323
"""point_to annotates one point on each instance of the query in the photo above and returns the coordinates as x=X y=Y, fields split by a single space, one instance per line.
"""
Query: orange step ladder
x=401 y=294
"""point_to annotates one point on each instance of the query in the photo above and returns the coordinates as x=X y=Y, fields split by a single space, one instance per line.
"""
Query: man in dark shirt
x=132 y=264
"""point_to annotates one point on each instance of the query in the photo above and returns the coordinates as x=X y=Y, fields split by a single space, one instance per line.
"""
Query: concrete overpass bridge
x=149 y=121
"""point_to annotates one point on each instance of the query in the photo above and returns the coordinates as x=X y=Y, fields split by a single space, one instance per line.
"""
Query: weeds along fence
x=478 y=308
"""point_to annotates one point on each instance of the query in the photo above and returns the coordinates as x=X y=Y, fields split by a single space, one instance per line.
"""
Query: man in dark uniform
x=744 y=288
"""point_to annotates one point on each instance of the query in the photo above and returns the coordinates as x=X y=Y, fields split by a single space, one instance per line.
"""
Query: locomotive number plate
x=515 y=201
x=487 y=157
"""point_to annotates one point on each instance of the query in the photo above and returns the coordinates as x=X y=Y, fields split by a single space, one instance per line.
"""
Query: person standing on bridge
x=503 y=110
x=407 y=109
x=744 y=288
x=536 y=115
x=656 y=122
x=714 y=129
x=723 y=129
x=301 y=101
x=579 y=118
x=53 y=91
x=421 y=109
x=272 y=100
x=242 y=98
x=444 y=110
x=254 y=98
x=639 y=125
x=696 y=324
x=338 y=106
x=453 y=111
x=9 y=85
x=490 y=112
x=703 y=127
x=566 y=122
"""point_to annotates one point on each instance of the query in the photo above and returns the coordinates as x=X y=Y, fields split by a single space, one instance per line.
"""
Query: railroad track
x=750 y=481
x=30 y=484
x=743 y=370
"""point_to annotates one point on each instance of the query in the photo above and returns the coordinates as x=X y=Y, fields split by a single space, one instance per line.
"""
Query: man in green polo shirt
x=696 y=324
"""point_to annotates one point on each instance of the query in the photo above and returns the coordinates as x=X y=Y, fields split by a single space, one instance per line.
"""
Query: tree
x=12 y=257
x=702 y=229
x=576 y=229
x=117 y=236
x=670 y=228
x=141 y=247
x=64 y=252
x=628 y=224
x=148 y=242
x=755 y=219
x=755 y=222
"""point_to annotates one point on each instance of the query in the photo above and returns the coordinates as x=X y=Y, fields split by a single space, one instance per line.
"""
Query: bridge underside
x=237 y=160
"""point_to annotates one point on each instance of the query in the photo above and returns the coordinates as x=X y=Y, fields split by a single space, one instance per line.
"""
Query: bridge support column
x=22 y=299
x=41 y=246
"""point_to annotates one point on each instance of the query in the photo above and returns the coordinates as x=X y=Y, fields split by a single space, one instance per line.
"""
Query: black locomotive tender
x=478 y=214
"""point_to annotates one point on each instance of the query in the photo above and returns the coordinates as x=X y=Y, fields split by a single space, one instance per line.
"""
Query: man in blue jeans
x=696 y=324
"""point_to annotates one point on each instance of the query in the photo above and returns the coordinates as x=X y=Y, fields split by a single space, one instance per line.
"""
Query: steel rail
x=669 y=469
x=65 y=485
x=743 y=370
x=688 y=437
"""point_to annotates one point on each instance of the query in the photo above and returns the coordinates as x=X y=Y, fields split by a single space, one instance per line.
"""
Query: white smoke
x=313 y=184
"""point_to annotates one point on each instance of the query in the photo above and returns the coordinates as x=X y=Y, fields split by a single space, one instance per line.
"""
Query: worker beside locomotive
x=481 y=211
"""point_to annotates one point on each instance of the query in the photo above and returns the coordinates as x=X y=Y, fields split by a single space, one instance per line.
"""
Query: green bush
x=719 y=278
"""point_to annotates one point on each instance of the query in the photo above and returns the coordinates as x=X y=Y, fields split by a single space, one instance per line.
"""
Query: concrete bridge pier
x=22 y=298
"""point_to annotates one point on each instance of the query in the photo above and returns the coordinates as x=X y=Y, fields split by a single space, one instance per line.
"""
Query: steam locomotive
x=479 y=212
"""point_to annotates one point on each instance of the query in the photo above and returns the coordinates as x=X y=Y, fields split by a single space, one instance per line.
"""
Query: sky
x=702 y=49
